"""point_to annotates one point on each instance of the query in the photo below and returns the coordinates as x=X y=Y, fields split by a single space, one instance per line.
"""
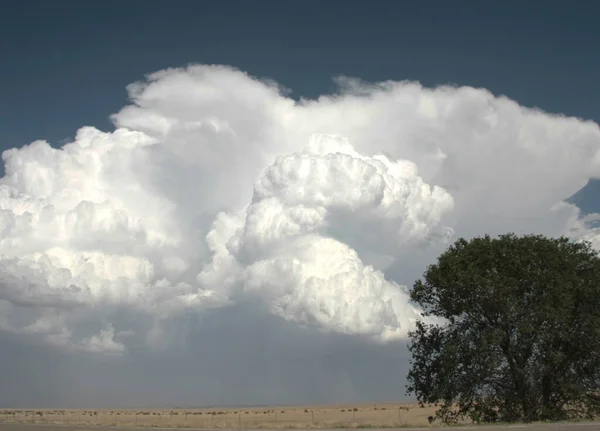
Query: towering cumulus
x=295 y=244
x=215 y=189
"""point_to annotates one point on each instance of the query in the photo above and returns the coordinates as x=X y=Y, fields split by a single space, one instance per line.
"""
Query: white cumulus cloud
x=217 y=189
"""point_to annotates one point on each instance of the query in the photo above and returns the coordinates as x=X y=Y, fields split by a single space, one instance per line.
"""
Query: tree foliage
x=519 y=338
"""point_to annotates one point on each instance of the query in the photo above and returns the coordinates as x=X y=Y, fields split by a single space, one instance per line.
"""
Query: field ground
x=590 y=426
x=343 y=416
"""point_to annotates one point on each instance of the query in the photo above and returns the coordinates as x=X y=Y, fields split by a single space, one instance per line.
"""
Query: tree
x=511 y=331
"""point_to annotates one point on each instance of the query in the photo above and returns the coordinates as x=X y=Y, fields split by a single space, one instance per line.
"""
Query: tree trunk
x=547 y=407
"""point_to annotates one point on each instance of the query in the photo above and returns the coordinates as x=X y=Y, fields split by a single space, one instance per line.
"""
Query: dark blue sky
x=65 y=63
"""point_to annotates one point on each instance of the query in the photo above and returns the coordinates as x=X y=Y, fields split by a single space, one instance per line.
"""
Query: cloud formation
x=218 y=190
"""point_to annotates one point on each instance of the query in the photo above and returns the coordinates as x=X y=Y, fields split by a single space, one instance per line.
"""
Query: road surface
x=580 y=426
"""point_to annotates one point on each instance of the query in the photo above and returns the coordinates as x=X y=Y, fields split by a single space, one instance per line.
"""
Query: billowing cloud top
x=217 y=189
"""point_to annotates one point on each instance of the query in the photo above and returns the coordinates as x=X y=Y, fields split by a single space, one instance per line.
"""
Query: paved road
x=582 y=426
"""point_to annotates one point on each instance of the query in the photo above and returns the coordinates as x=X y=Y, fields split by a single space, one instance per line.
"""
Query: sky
x=227 y=204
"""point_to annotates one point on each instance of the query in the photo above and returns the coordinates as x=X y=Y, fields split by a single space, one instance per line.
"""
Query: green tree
x=517 y=335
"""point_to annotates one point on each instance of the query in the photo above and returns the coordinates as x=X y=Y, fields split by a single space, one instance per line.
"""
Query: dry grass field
x=346 y=416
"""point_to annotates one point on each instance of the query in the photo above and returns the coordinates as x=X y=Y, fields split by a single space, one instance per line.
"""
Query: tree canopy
x=519 y=331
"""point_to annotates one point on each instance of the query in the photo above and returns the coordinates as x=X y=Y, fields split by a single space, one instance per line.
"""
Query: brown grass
x=347 y=416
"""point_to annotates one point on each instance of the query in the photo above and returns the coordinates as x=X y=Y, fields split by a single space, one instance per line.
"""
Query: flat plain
x=304 y=417
x=589 y=426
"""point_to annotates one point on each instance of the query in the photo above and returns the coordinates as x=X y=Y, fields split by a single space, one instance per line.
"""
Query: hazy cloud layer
x=219 y=192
